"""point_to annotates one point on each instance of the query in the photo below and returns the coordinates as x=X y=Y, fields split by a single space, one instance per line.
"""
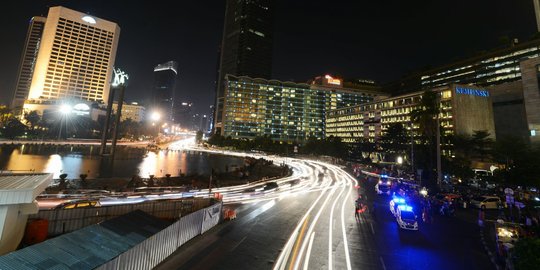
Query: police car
x=406 y=218
x=395 y=202
x=383 y=186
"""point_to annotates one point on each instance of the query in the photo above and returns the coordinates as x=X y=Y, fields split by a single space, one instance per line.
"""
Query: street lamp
x=64 y=110
x=155 y=116
x=399 y=160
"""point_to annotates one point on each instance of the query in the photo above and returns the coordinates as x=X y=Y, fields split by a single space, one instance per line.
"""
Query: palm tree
x=481 y=143
x=32 y=118
x=426 y=116
x=5 y=115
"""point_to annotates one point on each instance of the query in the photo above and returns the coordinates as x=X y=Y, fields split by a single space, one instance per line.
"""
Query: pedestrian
x=481 y=216
x=356 y=211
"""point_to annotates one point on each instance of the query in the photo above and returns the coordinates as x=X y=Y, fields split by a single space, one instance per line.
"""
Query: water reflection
x=77 y=159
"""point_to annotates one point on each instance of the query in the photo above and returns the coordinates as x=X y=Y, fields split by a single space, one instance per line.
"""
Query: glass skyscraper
x=165 y=76
x=246 y=48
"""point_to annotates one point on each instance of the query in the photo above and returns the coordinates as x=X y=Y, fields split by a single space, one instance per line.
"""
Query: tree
x=426 y=117
x=32 y=118
x=394 y=140
x=520 y=159
x=199 y=136
x=481 y=143
x=13 y=128
x=5 y=115
x=526 y=253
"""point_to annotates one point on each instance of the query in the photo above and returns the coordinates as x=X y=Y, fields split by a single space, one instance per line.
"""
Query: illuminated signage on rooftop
x=89 y=19
x=331 y=80
x=472 y=92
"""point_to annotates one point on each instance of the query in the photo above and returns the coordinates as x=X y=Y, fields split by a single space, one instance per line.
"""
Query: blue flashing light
x=384 y=176
x=406 y=208
x=398 y=200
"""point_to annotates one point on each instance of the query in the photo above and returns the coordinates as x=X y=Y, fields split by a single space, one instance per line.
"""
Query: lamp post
x=64 y=110
x=155 y=116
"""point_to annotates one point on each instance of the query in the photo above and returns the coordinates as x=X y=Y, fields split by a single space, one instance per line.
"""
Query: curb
x=492 y=257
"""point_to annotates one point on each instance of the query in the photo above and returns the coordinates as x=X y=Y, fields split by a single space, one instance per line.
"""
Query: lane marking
x=345 y=242
x=372 y=230
x=297 y=244
x=382 y=263
x=308 y=253
x=313 y=224
x=330 y=234
x=235 y=246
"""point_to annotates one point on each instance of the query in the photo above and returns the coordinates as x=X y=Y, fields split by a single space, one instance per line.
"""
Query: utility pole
x=439 y=167
x=412 y=150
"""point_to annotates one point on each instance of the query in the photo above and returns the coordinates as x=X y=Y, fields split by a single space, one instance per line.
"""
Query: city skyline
x=352 y=39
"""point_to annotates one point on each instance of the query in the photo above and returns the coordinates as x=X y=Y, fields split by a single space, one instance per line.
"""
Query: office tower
x=183 y=114
x=28 y=61
x=246 y=48
x=75 y=59
x=164 y=87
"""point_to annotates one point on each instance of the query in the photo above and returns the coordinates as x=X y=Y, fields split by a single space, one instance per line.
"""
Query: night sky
x=380 y=40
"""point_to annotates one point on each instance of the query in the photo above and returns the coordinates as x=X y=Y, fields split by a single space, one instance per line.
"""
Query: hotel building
x=464 y=109
x=285 y=111
x=246 y=46
x=511 y=75
x=74 y=61
x=487 y=69
x=132 y=111
x=28 y=61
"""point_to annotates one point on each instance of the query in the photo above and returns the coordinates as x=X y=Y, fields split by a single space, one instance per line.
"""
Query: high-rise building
x=492 y=68
x=133 y=111
x=75 y=59
x=285 y=111
x=183 y=114
x=28 y=61
x=165 y=76
x=464 y=109
x=246 y=48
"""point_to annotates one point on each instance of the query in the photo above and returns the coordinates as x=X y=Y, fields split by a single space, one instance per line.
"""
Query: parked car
x=486 y=202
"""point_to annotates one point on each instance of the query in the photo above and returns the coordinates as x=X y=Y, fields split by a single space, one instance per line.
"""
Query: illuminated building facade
x=464 y=109
x=28 y=61
x=284 y=111
x=246 y=48
x=132 y=111
x=492 y=68
x=165 y=77
x=75 y=59
x=516 y=105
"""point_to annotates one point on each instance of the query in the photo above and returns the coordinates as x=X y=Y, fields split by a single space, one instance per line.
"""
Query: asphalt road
x=317 y=229
x=447 y=243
